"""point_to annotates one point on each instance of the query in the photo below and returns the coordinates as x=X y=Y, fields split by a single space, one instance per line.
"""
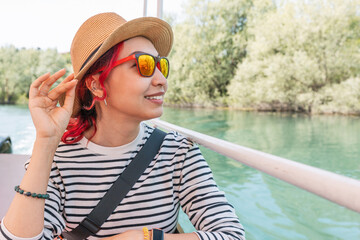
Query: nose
x=158 y=79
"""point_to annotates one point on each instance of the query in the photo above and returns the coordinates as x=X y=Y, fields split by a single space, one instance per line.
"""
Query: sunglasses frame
x=136 y=57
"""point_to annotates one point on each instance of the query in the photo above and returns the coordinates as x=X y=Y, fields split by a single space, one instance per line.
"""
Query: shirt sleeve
x=53 y=220
x=54 y=223
x=205 y=205
x=6 y=234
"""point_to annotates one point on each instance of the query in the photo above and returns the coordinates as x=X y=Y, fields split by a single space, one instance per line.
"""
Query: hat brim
x=154 y=29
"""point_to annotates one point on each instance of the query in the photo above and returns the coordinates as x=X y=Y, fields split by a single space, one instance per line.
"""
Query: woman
x=120 y=81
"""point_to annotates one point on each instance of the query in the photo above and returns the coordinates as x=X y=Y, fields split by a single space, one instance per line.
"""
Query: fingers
x=43 y=84
x=68 y=78
x=70 y=97
x=46 y=85
x=55 y=93
x=34 y=87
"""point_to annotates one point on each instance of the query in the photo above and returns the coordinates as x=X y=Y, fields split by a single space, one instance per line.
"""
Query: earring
x=93 y=87
x=105 y=102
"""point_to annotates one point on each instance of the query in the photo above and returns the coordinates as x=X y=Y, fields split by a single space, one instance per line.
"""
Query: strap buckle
x=90 y=225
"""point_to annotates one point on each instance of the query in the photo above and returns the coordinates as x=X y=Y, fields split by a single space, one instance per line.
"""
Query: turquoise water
x=268 y=208
x=15 y=121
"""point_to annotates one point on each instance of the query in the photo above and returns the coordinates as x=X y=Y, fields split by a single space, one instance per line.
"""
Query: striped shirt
x=177 y=177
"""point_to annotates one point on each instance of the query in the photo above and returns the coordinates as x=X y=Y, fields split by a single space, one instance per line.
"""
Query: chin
x=154 y=114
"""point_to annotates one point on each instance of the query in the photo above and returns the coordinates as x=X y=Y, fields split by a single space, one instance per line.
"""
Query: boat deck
x=11 y=173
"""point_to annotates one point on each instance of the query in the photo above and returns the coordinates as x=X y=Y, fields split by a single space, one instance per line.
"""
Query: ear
x=93 y=84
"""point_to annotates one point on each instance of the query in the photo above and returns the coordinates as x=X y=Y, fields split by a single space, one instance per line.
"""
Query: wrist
x=50 y=139
x=49 y=144
x=43 y=152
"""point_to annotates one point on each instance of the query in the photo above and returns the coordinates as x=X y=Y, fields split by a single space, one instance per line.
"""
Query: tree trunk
x=2 y=93
x=6 y=90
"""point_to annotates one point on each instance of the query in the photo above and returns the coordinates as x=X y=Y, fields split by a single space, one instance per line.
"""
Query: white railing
x=339 y=189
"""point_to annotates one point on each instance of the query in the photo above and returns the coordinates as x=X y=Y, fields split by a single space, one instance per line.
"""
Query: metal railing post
x=160 y=9
x=145 y=8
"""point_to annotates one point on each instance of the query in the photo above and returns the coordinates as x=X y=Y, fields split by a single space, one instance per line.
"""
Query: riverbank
x=265 y=109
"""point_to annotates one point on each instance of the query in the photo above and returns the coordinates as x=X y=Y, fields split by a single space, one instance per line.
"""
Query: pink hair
x=87 y=116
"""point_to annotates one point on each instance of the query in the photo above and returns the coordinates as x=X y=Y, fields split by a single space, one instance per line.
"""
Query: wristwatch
x=157 y=234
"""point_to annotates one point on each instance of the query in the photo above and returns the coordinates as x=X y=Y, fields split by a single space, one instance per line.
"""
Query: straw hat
x=103 y=31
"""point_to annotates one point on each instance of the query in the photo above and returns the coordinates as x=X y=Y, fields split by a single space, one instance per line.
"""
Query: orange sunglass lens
x=164 y=67
x=146 y=65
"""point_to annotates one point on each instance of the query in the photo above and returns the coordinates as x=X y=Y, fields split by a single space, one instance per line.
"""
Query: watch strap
x=157 y=234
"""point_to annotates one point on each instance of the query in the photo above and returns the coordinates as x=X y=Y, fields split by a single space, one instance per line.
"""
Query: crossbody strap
x=92 y=223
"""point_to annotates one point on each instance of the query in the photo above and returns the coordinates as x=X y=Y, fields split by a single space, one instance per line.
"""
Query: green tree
x=29 y=69
x=19 y=67
x=9 y=74
x=297 y=52
x=208 y=46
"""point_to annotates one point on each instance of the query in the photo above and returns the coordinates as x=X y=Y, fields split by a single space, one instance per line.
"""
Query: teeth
x=155 y=97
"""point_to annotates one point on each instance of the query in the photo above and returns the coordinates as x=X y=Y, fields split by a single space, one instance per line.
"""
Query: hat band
x=90 y=56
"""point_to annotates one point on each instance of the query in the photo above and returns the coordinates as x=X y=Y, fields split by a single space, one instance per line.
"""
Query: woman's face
x=130 y=95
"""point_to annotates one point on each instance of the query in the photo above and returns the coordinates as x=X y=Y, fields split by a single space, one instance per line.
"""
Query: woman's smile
x=157 y=98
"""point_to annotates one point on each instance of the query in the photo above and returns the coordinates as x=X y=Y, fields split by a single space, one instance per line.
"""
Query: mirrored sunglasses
x=146 y=64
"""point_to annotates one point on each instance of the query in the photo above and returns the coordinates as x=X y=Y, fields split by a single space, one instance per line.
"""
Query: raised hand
x=49 y=119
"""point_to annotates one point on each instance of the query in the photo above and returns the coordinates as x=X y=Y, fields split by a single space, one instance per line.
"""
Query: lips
x=156 y=96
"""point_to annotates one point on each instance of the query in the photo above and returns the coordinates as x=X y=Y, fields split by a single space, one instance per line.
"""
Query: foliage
x=208 y=46
x=340 y=98
x=282 y=55
x=299 y=56
x=19 y=67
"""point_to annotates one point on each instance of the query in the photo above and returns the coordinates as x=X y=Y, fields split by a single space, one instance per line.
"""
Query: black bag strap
x=92 y=223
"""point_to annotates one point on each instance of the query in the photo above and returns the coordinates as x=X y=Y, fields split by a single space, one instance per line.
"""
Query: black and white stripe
x=177 y=177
